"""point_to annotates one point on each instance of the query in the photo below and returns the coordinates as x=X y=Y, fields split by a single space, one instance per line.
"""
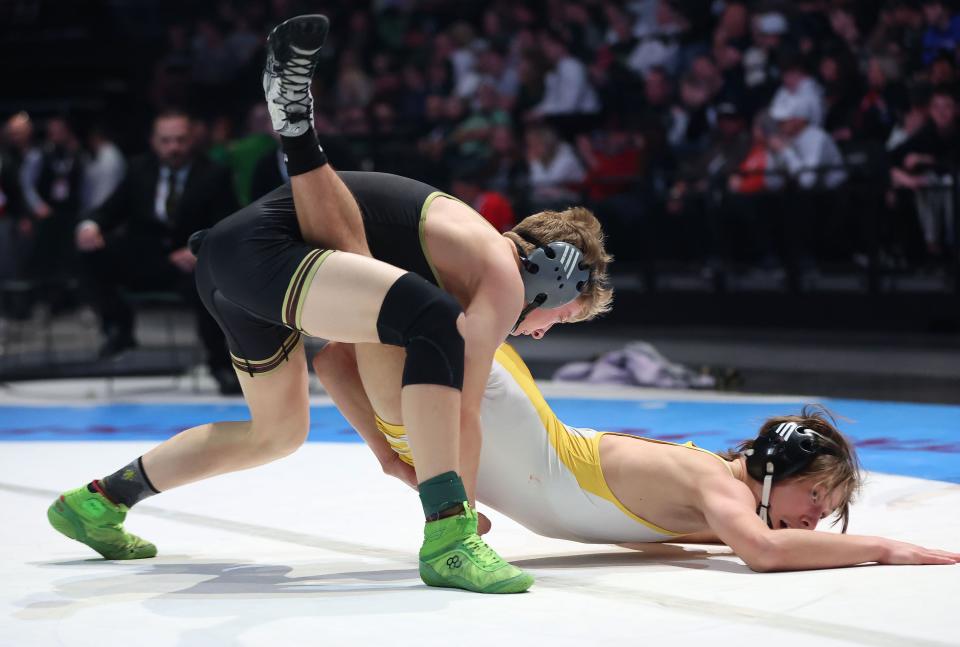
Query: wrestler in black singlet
x=254 y=269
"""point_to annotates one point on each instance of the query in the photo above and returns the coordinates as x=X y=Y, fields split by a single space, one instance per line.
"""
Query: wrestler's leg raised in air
x=327 y=213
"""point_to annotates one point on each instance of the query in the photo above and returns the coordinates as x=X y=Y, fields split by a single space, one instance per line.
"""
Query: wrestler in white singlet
x=540 y=472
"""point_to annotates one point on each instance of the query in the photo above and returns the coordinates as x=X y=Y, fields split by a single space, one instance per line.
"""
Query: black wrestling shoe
x=293 y=51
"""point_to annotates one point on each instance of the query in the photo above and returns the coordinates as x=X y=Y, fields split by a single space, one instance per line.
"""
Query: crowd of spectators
x=683 y=124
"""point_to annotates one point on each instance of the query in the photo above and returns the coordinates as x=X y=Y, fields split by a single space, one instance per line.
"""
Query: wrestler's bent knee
x=422 y=318
x=282 y=440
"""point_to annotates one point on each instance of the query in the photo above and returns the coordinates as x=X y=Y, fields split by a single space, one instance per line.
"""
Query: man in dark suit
x=138 y=238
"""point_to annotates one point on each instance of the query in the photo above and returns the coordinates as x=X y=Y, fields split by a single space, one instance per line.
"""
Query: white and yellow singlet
x=538 y=471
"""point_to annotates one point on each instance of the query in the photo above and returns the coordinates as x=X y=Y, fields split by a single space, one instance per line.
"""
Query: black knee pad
x=423 y=319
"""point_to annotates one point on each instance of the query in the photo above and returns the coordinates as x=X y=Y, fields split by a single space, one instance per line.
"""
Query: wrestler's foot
x=453 y=555
x=293 y=50
x=92 y=519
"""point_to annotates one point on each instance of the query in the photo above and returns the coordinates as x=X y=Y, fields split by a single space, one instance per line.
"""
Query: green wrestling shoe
x=453 y=555
x=92 y=519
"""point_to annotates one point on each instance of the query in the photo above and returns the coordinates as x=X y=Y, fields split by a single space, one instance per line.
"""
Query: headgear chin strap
x=553 y=274
x=779 y=454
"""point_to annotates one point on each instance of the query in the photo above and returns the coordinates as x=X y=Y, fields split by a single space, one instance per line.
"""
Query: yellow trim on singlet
x=306 y=285
x=423 y=232
x=580 y=454
x=295 y=286
x=396 y=436
x=423 y=228
x=287 y=347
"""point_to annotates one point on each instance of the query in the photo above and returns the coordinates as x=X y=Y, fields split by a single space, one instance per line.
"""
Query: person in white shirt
x=554 y=168
x=104 y=169
x=802 y=148
x=798 y=86
x=567 y=86
x=658 y=30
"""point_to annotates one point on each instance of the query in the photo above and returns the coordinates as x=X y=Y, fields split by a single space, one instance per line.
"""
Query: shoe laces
x=294 y=81
x=481 y=551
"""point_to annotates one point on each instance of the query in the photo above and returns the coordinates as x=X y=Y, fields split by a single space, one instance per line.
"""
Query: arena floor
x=320 y=548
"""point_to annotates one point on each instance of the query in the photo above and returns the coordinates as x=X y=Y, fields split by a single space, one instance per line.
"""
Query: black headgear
x=553 y=274
x=781 y=453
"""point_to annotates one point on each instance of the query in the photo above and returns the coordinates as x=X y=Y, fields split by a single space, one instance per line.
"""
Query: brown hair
x=579 y=227
x=837 y=470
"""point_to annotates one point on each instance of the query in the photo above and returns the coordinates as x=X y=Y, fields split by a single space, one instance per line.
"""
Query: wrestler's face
x=801 y=504
x=540 y=320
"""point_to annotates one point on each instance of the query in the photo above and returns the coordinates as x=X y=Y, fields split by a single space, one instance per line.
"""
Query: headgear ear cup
x=559 y=277
x=782 y=452
x=789 y=447
x=550 y=289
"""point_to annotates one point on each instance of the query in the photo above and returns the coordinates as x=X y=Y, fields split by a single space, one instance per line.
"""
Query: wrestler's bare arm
x=728 y=507
x=485 y=325
x=336 y=368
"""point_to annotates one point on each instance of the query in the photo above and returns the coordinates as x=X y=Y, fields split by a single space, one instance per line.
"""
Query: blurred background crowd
x=726 y=136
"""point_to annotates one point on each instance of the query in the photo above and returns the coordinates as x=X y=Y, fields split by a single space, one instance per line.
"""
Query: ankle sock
x=302 y=154
x=127 y=485
x=442 y=496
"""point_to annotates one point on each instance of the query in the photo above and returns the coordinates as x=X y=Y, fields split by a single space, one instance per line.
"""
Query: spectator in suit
x=138 y=238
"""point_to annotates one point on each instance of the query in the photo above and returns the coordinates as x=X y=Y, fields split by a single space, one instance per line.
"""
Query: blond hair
x=579 y=227
x=837 y=470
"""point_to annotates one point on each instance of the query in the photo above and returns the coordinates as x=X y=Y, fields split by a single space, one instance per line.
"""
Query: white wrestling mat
x=319 y=549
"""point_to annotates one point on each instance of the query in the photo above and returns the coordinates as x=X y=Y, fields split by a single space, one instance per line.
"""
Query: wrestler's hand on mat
x=483 y=524
x=898 y=552
x=393 y=466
